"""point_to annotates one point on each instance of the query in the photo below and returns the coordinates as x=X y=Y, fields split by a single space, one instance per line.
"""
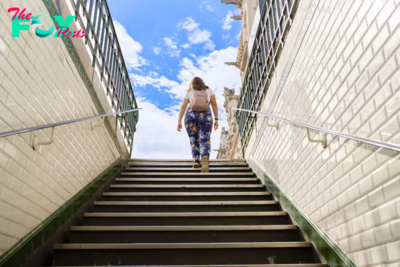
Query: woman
x=198 y=124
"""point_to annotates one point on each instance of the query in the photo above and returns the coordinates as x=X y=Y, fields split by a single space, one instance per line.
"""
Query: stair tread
x=231 y=265
x=187 y=228
x=189 y=174
x=185 y=160
x=184 y=245
x=233 y=179
x=185 y=214
x=186 y=194
x=184 y=203
x=187 y=186
x=188 y=168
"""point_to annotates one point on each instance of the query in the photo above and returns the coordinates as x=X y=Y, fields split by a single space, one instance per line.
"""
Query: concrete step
x=230 y=265
x=184 y=253
x=188 y=181
x=185 y=206
x=187 y=188
x=187 y=169
x=168 y=174
x=184 y=160
x=185 y=218
x=186 y=164
x=185 y=196
x=185 y=234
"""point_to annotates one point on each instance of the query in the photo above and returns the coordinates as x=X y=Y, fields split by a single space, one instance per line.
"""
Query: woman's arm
x=182 y=112
x=215 y=110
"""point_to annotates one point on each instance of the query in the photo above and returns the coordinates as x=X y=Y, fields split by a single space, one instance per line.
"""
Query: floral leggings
x=199 y=126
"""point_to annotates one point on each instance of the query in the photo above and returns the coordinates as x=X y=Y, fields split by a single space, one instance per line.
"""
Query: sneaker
x=196 y=164
x=204 y=164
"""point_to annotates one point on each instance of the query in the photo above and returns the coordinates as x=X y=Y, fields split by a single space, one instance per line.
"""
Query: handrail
x=390 y=146
x=14 y=132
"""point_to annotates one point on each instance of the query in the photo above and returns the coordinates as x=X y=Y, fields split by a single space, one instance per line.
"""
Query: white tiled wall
x=345 y=77
x=37 y=87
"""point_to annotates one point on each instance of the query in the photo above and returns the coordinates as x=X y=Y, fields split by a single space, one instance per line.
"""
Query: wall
x=39 y=84
x=340 y=70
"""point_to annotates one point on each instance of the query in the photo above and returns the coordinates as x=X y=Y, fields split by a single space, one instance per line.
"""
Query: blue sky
x=165 y=44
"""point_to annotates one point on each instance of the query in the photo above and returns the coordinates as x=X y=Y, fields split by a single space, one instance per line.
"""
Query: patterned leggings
x=198 y=125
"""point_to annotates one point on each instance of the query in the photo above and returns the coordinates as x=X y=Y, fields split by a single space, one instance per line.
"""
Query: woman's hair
x=197 y=84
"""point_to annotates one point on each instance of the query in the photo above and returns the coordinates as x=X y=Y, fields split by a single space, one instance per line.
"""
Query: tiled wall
x=345 y=77
x=38 y=86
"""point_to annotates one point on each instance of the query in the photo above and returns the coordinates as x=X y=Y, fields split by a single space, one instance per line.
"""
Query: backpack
x=199 y=101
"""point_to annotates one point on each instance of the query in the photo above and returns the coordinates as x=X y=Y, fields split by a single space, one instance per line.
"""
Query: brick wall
x=38 y=86
x=345 y=77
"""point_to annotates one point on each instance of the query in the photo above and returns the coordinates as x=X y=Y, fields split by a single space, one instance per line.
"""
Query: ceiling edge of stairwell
x=324 y=245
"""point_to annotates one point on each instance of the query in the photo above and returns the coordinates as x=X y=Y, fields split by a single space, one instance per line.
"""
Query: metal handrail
x=386 y=145
x=41 y=127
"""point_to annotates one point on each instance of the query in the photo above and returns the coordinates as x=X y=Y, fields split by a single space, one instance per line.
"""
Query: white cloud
x=186 y=46
x=209 y=45
x=158 y=82
x=226 y=22
x=130 y=48
x=189 y=24
x=197 y=35
x=156 y=136
x=225 y=36
x=238 y=36
x=210 y=8
x=172 y=47
x=157 y=50
x=153 y=73
x=169 y=43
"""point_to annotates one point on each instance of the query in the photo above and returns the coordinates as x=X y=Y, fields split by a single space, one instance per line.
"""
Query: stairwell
x=166 y=213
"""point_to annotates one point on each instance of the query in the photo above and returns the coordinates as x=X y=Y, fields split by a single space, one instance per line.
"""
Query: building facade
x=248 y=11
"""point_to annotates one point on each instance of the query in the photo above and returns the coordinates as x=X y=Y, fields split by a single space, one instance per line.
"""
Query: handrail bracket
x=36 y=143
x=323 y=141
x=274 y=125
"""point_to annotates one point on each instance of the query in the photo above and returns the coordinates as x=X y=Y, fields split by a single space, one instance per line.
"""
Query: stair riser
x=234 y=189
x=220 y=208
x=185 y=198
x=187 y=175
x=172 y=221
x=189 y=182
x=190 y=170
x=188 y=165
x=184 y=256
x=185 y=236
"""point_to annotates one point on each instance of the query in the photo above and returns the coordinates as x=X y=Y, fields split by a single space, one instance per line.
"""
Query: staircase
x=166 y=213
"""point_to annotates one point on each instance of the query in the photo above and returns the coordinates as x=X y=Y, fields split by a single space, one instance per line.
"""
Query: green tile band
x=22 y=250
x=51 y=8
x=334 y=256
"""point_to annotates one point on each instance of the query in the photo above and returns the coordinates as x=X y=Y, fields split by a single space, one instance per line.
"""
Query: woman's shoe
x=196 y=164
x=204 y=164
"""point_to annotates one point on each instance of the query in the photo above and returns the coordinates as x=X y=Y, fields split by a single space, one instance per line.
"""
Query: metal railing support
x=323 y=141
x=36 y=144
